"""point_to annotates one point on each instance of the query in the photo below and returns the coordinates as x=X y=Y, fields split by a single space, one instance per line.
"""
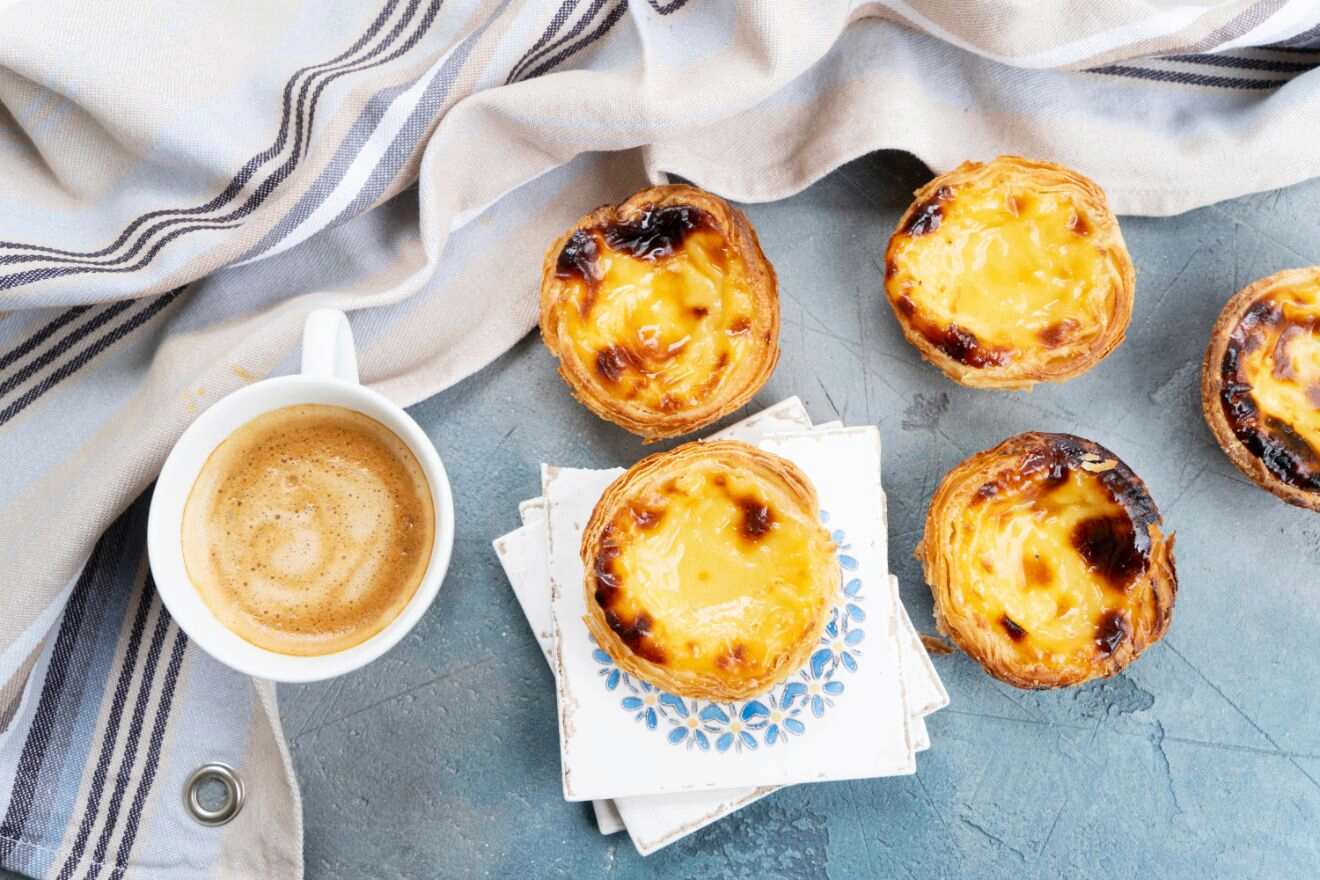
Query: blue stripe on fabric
x=111 y=579
x=572 y=49
x=367 y=121
x=410 y=135
x=573 y=32
x=23 y=797
x=73 y=337
x=208 y=693
x=64 y=789
x=1187 y=79
x=146 y=598
x=334 y=171
x=561 y=15
x=41 y=335
x=262 y=191
x=249 y=169
x=76 y=363
x=153 y=754
x=128 y=760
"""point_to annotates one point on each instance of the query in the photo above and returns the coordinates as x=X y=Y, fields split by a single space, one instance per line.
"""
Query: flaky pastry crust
x=663 y=311
x=1254 y=353
x=708 y=572
x=1048 y=561
x=1009 y=273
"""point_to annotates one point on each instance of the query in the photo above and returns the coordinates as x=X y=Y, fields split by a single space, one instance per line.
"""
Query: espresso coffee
x=309 y=529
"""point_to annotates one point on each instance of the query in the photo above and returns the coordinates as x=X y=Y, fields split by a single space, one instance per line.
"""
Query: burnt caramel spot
x=740 y=325
x=1110 y=547
x=720 y=480
x=700 y=311
x=1115 y=546
x=1288 y=456
x=927 y=217
x=613 y=361
x=756 y=518
x=1112 y=630
x=1058 y=333
x=578 y=258
x=607 y=580
x=646 y=518
x=963 y=346
x=1015 y=632
x=891 y=269
x=957 y=342
x=657 y=232
x=1054 y=461
x=987 y=491
x=1078 y=223
x=633 y=633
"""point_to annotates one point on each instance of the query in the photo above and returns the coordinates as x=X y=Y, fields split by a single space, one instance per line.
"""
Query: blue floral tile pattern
x=769 y=720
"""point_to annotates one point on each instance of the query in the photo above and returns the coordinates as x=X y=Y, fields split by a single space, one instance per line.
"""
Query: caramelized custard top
x=715 y=571
x=659 y=309
x=1049 y=550
x=990 y=269
x=1271 y=383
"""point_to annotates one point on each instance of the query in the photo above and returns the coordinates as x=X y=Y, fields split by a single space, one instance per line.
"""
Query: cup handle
x=327 y=347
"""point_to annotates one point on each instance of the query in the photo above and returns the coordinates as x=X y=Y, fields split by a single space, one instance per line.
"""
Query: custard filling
x=989 y=269
x=1048 y=558
x=1271 y=389
x=658 y=312
x=715 y=572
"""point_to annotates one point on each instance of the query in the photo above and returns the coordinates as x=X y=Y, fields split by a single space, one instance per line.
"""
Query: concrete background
x=1202 y=760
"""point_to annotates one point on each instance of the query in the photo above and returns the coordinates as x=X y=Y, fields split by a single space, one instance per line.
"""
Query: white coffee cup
x=329 y=376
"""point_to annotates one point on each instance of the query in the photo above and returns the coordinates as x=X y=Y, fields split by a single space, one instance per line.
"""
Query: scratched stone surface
x=1202 y=760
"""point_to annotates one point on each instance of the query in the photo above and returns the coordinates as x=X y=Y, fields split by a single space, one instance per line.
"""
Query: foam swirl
x=309 y=529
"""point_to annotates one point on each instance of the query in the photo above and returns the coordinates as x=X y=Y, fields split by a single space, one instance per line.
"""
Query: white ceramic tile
x=656 y=821
x=850 y=720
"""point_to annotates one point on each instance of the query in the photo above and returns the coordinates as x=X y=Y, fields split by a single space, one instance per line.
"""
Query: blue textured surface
x=1202 y=760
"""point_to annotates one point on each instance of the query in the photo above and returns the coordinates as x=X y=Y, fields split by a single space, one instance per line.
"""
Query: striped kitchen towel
x=181 y=184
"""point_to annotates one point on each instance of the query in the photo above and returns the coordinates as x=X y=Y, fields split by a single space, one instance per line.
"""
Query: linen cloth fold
x=181 y=184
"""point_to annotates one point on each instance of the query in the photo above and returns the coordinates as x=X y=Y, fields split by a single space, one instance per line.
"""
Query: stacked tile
x=661 y=766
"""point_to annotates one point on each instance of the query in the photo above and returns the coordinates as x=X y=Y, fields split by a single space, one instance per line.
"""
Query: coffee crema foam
x=309 y=529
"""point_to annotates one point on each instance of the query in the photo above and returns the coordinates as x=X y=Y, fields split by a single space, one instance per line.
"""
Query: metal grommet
x=233 y=800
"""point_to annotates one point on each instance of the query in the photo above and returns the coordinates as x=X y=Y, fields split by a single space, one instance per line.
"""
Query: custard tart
x=1260 y=384
x=1009 y=273
x=708 y=572
x=1048 y=561
x=662 y=311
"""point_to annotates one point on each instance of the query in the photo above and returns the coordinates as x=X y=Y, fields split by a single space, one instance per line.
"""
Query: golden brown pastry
x=1048 y=561
x=708 y=572
x=1010 y=273
x=1260 y=384
x=663 y=311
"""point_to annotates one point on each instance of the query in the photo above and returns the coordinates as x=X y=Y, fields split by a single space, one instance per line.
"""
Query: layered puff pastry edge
x=663 y=311
x=708 y=572
x=1011 y=272
x=1260 y=384
x=1048 y=561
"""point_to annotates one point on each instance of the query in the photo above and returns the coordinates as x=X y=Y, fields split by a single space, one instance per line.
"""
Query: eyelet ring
x=233 y=801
